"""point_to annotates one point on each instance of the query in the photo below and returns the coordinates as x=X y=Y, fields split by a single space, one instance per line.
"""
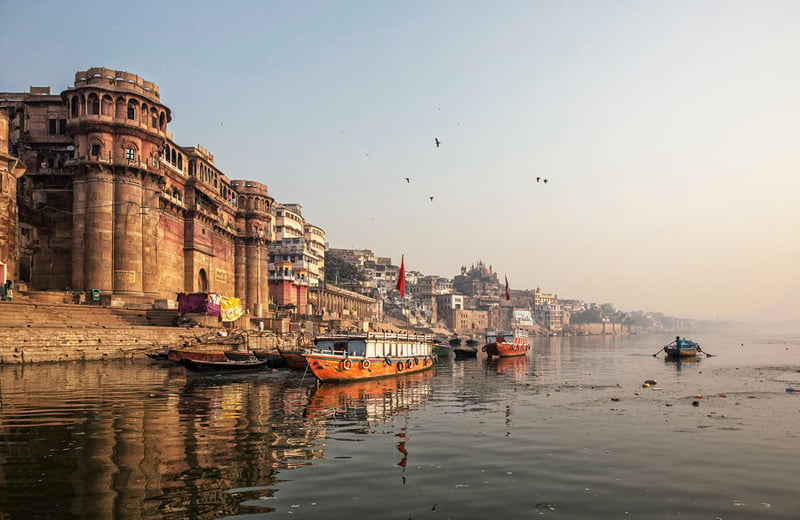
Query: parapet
x=250 y=188
x=117 y=79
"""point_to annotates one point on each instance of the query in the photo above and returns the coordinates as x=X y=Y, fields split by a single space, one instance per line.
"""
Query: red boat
x=507 y=344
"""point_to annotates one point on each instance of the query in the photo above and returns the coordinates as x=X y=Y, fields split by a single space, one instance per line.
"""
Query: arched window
x=130 y=153
x=154 y=118
x=180 y=162
x=106 y=108
x=132 y=110
x=166 y=153
x=75 y=106
x=162 y=122
x=173 y=159
x=94 y=104
x=96 y=148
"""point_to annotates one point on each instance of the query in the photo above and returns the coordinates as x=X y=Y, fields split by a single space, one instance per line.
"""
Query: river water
x=567 y=432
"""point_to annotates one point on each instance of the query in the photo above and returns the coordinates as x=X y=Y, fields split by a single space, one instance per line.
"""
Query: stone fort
x=96 y=195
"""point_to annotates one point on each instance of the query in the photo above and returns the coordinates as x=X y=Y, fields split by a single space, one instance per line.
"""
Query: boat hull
x=293 y=358
x=223 y=366
x=673 y=353
x=341 y=368
x=465 y=352
x=177 y=355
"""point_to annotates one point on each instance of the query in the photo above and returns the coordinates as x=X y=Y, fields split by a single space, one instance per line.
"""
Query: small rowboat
x=682 y=348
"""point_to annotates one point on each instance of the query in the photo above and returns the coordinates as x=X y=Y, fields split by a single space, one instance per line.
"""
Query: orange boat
x=369 y=355
x=507 y=344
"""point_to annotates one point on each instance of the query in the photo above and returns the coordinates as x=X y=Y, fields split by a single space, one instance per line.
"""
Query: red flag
x=401 y=277
x=508 y=291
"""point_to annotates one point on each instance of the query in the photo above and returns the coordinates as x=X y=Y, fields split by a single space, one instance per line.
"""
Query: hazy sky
x=668 y=131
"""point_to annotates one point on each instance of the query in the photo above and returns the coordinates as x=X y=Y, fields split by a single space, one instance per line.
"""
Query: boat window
x=339 y=347
x=357 y=348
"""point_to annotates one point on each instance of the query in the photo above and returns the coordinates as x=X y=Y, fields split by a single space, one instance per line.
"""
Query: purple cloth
x=192 y=303
x=212 y=309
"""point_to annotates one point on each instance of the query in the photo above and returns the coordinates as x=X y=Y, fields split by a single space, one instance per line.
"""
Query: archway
x=202 y=281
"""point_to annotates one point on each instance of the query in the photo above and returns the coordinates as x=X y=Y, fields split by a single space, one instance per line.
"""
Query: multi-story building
x=110 y=202
x=296 y=257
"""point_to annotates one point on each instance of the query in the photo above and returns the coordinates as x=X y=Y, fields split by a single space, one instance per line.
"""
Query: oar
x=659 y=352
x=704 y=352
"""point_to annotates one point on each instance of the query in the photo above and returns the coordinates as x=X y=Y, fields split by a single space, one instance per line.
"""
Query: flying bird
x=437 y=141
x=545 y=181
x=431 y=198
x=538 y=179
x=408 y=180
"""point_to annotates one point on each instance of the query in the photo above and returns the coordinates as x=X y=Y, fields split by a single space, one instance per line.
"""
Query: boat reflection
x=686 y=363
x=514 y=367
x=359 y=405
x=371 y=401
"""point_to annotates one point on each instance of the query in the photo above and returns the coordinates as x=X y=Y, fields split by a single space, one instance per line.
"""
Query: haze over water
x=566 y=432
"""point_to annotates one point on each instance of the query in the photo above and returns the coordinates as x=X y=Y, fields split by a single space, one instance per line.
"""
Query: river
x=569 y=431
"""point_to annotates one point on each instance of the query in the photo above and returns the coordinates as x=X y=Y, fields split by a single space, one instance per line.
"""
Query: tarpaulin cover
x=230 y=308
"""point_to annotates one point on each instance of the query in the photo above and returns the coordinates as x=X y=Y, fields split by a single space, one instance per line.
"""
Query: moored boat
x=441 y=350
x=507 y=344
x=465 y=352
x=176 y=355
x=368 y=355
x=251 y=365
x=682 y=348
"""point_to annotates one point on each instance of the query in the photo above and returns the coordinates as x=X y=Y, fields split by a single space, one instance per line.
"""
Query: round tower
x=254 y=221
x=119 y=128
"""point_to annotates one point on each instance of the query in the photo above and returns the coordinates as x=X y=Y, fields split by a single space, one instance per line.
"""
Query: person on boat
x=678 y=343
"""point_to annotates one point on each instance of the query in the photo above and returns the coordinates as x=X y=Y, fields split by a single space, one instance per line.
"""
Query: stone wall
x=52 y=343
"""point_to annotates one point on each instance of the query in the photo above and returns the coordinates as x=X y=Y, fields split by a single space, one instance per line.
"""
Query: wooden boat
x=253 y=365
x=465 y=352
x=682 y=348
x=369 y=355
x=292 y=352
x=507 y=344
x=293 y=357
x=176 y=355
x=441 y=350
x=455 y=341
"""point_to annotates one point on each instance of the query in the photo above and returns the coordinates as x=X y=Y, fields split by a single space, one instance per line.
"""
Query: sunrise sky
x=668 y=131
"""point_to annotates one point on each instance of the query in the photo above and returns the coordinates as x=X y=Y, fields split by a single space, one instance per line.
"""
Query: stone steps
x=22 y=312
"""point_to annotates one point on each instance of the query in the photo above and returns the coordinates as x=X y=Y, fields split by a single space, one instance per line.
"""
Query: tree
x=338 y=270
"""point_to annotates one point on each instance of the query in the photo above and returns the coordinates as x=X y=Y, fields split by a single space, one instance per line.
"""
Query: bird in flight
x=437 y=141
x=538 y=179
x=431 y=198
x=408 y=180
x=545 y=181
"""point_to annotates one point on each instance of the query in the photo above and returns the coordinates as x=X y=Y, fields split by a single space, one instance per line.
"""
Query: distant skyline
x=668 y=131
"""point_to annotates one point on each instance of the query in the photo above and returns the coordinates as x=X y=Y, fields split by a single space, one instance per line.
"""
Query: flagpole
x=401 y=286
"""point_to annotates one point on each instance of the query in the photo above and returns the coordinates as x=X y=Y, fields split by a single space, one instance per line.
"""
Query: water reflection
x=81 y=440
x=514 y=367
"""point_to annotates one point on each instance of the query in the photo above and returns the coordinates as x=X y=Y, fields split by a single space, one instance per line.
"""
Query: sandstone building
x=110 y=202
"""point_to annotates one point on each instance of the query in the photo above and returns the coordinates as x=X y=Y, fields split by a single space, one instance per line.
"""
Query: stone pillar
x=128 y=235
x=79 y=189
x=99 y=235
x=150 y=238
